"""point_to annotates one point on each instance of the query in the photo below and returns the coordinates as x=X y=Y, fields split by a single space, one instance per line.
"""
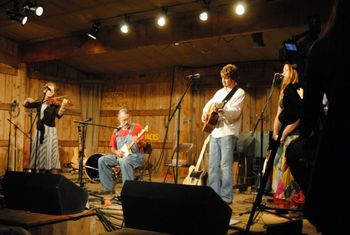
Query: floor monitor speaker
x=43 y=193
x=174 y=208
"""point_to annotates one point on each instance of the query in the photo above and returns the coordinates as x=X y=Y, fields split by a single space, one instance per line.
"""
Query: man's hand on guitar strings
x=204 y=117
x=218 y=107
x=119 y=153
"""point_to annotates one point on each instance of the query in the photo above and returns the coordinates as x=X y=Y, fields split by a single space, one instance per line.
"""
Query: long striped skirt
x=47 y=156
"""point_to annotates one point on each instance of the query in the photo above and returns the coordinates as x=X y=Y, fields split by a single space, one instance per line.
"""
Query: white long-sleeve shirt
x=230 y=120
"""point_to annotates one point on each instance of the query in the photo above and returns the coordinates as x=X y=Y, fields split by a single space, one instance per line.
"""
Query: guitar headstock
x=145 y=129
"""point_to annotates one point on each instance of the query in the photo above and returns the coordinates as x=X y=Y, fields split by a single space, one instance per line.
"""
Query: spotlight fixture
x=94 y=30
x=14 y=15
x=124 y=27
x=240 y=8
x=32 y=7
x=162 y=19
x=258 y=40
x=204 y=15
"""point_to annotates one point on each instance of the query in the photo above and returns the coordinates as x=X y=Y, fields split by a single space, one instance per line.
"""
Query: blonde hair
x=51 y=84
x=123 y=110
x=231 y=71
x=292 y=78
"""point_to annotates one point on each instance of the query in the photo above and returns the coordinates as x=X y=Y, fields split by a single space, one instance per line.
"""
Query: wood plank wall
x=150 y=94
x=11 y=88
x=147 y=97
x=151 y=98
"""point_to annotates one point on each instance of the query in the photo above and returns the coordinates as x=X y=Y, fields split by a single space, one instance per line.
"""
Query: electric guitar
x=196 y=176
x=213 y=117
x=126 y=148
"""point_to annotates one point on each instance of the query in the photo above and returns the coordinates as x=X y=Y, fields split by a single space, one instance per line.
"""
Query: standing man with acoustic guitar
x=226 y=108
x=126 y=144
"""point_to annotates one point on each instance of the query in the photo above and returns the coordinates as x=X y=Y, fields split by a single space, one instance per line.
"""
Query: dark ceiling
x=60 y=33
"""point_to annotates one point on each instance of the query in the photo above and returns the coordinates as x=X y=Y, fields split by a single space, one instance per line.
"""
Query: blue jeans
x=127 y=165
x=220 y=177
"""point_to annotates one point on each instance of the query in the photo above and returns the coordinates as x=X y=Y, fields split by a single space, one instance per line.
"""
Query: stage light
x=204 y=15
x=124 y=28
x=125 y=25
x=240 y=9
x=13 y=15
x=31 y=7
x=162 y=19
x=258 y=40
x=94 y=30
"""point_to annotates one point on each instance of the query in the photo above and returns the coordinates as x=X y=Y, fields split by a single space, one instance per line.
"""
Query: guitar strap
x=229 y=95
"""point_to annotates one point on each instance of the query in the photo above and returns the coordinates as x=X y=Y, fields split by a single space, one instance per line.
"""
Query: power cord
x=106 y=222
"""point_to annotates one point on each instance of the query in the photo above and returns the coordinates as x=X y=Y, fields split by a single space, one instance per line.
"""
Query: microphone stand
x=11 y=110
x=81 y=143
x=261 y=120
x=9 y=142
x=15 y=142
x=178 y=109
x=257 y=203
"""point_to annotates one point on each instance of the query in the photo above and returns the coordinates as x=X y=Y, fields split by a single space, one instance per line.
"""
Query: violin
x=56 y=100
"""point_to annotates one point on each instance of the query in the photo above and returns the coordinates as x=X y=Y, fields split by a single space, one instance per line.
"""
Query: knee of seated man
x=125 y=160
x=100 y=160
x=103 y=158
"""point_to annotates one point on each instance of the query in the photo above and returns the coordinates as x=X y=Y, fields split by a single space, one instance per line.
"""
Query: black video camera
x=293 y=50
x=290 y=51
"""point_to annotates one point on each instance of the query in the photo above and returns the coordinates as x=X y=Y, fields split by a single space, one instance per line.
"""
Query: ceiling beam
x=9 y=70
x=182 y=27
x=8 y=59
x=60 y=48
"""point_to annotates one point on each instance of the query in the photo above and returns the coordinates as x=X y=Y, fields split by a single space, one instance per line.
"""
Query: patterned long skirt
x=46 y=157
x=287 y=192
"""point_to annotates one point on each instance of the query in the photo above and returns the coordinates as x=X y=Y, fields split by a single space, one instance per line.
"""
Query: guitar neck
x=138 y=136
x=202 y=153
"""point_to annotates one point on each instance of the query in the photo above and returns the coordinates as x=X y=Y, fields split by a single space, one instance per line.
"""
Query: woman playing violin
x=45 y=155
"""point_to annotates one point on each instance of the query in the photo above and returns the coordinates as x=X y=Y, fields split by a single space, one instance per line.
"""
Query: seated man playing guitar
x=126 y=144
x=225 y=132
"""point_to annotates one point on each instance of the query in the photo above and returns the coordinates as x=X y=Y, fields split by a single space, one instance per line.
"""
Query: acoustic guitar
x=126 y=148
x=195 y=175
x=213 y=117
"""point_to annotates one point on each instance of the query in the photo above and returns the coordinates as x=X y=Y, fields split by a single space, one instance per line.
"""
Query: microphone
x=48 y=88
x=195 y=76
x=87 y=120
x=84 y=121
x=14 y=103
x=279 y=75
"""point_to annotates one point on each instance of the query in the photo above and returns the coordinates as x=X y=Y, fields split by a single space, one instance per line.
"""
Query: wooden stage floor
x=241 y=210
